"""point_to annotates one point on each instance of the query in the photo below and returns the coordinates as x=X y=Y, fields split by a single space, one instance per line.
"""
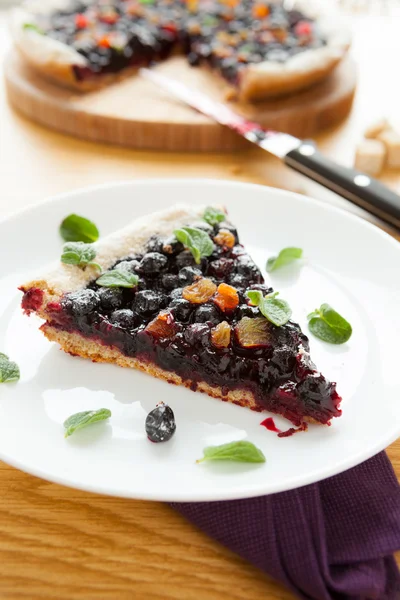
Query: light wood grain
x=63 y=544
x=120 y=114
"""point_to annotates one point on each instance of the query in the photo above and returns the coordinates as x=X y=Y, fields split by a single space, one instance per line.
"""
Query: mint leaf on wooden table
x=9 y=370
x=234 y=451
x=118 y=278
x=196 y=240
x=79 y=254
x=274 y=309
x=285 y=257
x=328 y=325
x=83 y=419
x=75 y=228
x=213 y=216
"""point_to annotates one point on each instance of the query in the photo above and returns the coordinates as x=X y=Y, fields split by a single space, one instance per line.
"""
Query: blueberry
x=187 y=275
x=244 y=310
x=197 y=334
x=181 y=309
x=152 y=262
x=185 y=259
x=314 y=388
x=82 y=303
x=123 y=318
x=247 y=267
x=207 y=313
x=147 y=301
x=172 y=246
x=169 y=281
x=240 y=282
x=110 y=298
x=160 y=423
x=221 y=268
x=176 y=293
x=284 y=359
x=155 y=244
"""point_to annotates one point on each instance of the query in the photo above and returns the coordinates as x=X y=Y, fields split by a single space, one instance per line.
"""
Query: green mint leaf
x=285 y=257
x=9 y=370
x=118 y=278
x=274 y=309
x=196 y=240
x=79 y=254
x=234 y=451
x=83 y=419
x=327 y=325
x=33 y=27
x=146 y=1
x=277 y=311
x=213 y=216
x=78 y=229
x=255 y=297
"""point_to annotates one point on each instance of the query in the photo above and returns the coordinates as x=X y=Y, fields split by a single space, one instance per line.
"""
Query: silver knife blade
x=274 y=142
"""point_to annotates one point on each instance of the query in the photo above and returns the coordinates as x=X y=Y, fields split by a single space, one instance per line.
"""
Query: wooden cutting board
x=135 y=113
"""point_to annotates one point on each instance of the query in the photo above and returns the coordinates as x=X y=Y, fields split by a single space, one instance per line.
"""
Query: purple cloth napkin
x=333 y=540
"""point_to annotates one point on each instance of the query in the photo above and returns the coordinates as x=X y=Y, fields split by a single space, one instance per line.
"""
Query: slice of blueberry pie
x=173 y=300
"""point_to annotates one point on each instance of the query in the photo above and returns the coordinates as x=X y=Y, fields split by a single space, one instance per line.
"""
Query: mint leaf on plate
x=234 y=451
x=75 y=228
x=118 y=278
x=285 y=257
x=83 y=419
x=213 y=216
x=9 y=370
x=328 y=325
x=274 y=309
x=196 y=240
x=79 y=254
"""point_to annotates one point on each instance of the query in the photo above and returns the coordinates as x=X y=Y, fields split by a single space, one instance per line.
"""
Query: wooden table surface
x=61 y=543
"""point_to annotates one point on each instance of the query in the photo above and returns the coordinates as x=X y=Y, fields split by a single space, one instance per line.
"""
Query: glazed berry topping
x=226 y=34
x=195 y=320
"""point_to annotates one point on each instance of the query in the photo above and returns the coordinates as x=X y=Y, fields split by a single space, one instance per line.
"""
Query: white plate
x=350 y=264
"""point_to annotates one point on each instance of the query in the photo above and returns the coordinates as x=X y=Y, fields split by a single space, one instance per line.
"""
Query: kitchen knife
x=302 y=156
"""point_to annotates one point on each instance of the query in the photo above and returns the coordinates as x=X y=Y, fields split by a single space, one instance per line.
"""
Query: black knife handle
x=353 y=185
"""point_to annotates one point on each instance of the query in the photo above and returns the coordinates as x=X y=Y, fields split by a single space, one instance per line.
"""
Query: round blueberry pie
x=261 y=48
x=188 y=322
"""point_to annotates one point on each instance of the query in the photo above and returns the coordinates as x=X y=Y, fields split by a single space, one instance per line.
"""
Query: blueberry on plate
x=181 y=309
x=82 y=303
x=187 y=275
x=207 y=313
x=152 y=263
x=124 y=318
x=169 y=281
x=110 y=298
x=160 y=423
x=148 y=301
